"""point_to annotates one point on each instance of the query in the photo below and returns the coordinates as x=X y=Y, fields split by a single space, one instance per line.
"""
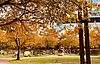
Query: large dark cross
x=86 y=31
x=81 y=43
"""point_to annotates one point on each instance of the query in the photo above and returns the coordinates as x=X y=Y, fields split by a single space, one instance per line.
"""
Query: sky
x=74 y=25
x=94 y=0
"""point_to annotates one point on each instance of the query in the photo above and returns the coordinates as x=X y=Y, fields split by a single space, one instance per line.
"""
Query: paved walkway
x=4 y=62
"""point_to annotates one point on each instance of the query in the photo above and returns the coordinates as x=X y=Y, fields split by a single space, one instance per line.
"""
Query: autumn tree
x=69 y=38
x=16 y=34
x=3 y=40
x=94 y=36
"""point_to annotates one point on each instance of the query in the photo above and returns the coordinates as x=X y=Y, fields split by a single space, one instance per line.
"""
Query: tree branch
x=3 y=2
x=76 y=4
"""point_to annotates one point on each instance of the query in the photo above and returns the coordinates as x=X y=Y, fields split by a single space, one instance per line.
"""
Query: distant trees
x=69 y=38
x=95 y=37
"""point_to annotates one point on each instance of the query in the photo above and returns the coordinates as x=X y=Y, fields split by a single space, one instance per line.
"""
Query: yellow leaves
x=43 y=39
x=36 y=39
x=30 y=6
x=94 y=38
x=88 y=19
x=76 y=30
x=12 y=44
x=70 y=40
x=39 y=41
x=59 y=23
x=69 y=20
x=89 y=4
x=80 y=26
x=92 y=33
x=53 y=31
x=71 y=25
x=65 y=18
x=3 y=37
x=94 y=21
x=51 y=41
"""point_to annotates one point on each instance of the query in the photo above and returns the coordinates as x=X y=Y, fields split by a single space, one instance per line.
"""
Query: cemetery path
x=4 y=62
x=7 y=59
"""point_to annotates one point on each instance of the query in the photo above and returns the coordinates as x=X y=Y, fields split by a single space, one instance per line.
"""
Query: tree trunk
x=18 y=49
x=81 y=43
x=18 y=54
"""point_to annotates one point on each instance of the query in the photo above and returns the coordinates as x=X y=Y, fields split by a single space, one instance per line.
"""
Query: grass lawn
x=6 y=56
x=9 y=56
x=53 y=60
x=49 y=60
